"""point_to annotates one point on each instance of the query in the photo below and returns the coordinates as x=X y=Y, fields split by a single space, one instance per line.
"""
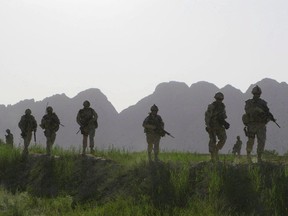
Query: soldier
x=216 y=124
x=256 y=116
x=9 y=138
x=50 y=123
x=237 y=147
x=154 y=129
x=27 y=125
x=87 y=119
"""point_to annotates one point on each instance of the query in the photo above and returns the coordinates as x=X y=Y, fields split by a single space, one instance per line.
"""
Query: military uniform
x=87 y=119
x=27 y=125
x=256 y=116
x=9 y=138
x=216 y=124
x=50 y=123
x=154 y=129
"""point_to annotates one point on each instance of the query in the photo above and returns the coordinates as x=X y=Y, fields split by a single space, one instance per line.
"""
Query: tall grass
x=118 y=182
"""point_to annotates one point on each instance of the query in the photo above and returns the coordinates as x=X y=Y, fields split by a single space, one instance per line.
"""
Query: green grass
x=125 y=183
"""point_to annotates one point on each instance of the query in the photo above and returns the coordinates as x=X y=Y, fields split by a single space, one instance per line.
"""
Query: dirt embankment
x=245 y=188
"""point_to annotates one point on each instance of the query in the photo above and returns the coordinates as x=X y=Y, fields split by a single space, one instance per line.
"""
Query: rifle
x=166 y=132
x=269 y=114
x=273 y=119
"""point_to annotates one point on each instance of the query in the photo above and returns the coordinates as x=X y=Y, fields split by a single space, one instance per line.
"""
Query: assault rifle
x=166 y=132
x=273 y=119
x=268 y=114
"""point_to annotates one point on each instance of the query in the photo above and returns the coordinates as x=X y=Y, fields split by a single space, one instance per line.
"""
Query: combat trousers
x=220 y=133
x=27 y=140
x=50 y=139
x=153 y=141
x=91 y=135
x=256 y=130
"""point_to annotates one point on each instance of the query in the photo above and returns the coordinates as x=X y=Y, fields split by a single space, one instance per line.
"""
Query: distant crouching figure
x=9 y=138
x=237 y=147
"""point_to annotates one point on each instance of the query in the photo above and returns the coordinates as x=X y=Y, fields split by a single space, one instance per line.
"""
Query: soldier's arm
x=95 y=114
x=56 y=119
x=34 y=124
x=78 y=118
x=208 y=115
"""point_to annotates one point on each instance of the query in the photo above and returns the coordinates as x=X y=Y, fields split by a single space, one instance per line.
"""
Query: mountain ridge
x=181 y=106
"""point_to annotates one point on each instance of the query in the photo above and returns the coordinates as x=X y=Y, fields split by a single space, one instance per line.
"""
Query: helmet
x=256 y=90
x=86 y=103
x=238 y=137
x=49 y=109
x=28 y=111
x=154 y=108
x=8 y=131
x=219 y=96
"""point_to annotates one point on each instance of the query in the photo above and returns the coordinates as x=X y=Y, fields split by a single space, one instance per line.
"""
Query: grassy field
x=117 y=182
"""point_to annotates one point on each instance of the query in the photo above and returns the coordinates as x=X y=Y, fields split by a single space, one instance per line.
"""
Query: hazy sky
x=126 y=47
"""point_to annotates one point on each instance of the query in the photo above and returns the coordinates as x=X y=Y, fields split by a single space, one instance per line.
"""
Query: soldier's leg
x=27 y=140
x=48 y=145
x=251 y=132
x=222 y=137
x=85 y=139
x=26 y=144
x=156 y=147
x=239 y=153
x=150 y=145
x=212 y=145
x=91 y=140
x=50 y=142
x=261 y=139
x=249 y=148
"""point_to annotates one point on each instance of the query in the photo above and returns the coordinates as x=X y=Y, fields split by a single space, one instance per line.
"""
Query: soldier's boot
x=156 y=156
x=83 y=151
x=92 y=151
x=25 y=150
x=249 y=159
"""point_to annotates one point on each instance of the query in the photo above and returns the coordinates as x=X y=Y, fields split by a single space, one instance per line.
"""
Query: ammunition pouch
x=224 y=123
x=245 y=119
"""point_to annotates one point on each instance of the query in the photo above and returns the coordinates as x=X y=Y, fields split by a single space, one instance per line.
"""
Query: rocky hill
x=182 y=108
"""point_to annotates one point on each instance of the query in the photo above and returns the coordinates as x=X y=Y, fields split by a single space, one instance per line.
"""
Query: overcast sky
x=126 y=47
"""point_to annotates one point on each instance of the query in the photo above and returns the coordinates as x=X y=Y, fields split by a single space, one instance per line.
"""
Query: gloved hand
x=226 y=125
x=208 y=129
